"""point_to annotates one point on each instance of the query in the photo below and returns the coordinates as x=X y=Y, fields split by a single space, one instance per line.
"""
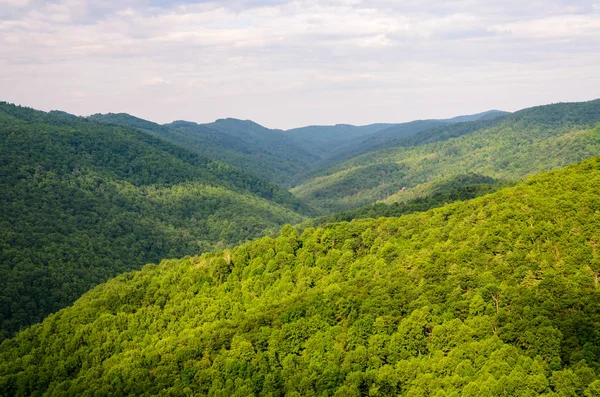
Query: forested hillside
x=387 y=137
x=326 y=140
x=490 y=297
x=508 y=147
x=257 y=150
x=429 y=195
x=283 y=157
x=82 y=202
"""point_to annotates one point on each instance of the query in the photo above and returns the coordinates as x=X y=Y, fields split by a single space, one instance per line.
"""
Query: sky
x=287 y=64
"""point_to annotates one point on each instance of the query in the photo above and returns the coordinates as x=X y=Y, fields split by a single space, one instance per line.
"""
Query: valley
x=227 y=258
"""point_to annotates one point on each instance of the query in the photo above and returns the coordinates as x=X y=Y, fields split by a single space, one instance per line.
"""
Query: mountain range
x=494 y=296
x=506 y=147
x=84 y=201
x=442 y=257
x=283 y=157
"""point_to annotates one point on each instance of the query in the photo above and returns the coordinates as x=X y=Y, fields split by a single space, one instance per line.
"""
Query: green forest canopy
x=283 y=157
x=508 y=147
x=432 y=195
x=257 y=150
x=84 y=201
x=494 y=296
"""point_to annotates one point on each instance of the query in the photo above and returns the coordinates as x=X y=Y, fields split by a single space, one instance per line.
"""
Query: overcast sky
x=291 y=63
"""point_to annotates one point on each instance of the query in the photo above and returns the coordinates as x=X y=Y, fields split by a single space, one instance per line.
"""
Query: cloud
x=155 y=81
x=566 y=27
x=78 y=94
x=378 y=41
x=15 y=3
x=282 y=61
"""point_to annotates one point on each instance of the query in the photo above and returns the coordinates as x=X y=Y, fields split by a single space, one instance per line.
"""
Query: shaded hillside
x=437 y=194
x=508 y=147
x=257 y=150
x=264 y=152
x=442 y=133
x=284 y=157
x=326 y=140
x=390 y=136
x=371 y=142
x=82 y=202
x=490 y=297
x=126 y=120
x=489 y=115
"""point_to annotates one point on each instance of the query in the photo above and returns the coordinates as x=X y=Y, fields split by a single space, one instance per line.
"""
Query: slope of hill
x=284 y=157
x=494 y=296
x=373 y=141
x=489 y=115
x=260 y=151
x=126 y=120
x=430 y=195
x=507 y=147
x=83 y=201
x=325 y=140
x=340 y=142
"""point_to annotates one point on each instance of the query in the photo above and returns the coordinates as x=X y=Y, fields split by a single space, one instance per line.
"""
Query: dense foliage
x=490 y=297
x=82 y=202
x=443 y=133
x=360 y=140
x=284 y=157
x=437 y=194
x=508 y=147
x=327 y=140
x=373 y=141
x=260 y=151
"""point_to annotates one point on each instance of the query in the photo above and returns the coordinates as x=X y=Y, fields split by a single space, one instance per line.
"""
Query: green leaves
x=509 y=147
x=493 y=296
x=83 y=202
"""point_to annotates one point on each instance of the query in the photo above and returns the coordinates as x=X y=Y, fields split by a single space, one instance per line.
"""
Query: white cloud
x=155 y=81
x=78 y=94
x=378 y=41
x=566 y=26
x=15 y=3
x=285 y=61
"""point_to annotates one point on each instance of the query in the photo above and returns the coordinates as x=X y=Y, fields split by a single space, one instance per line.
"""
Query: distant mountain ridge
x=494 y=294
x=83 y=201
x=508 y=146
x=284 y=157
x=257 y=150
x=487 y=115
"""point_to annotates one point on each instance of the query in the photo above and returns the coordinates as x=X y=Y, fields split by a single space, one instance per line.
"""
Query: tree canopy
x=507 y=147
x=494 y=296
x=82 y=202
